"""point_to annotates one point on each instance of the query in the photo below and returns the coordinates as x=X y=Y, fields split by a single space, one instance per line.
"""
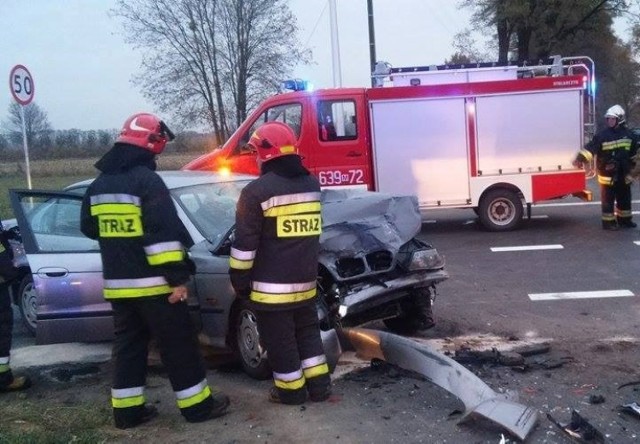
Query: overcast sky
x=82 y=68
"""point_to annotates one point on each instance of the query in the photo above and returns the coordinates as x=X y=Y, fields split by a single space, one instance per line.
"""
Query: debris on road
x=632 y=409
x=478 y=398
x=579 y=429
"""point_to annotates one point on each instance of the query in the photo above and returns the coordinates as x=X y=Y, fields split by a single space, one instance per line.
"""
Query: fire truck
x=495 y=139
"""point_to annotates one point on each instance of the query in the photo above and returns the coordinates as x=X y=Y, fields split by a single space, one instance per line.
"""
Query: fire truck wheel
x=246 y=340
x=500 y=210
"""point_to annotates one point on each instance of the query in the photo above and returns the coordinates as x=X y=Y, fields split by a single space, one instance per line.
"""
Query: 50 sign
x=21 y=85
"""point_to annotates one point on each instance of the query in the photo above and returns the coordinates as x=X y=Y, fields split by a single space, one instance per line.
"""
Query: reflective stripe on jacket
x=276 y=245
x=142 y=239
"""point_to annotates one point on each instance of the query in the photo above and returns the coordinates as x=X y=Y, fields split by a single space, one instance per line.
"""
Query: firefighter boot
x=211 y=408
x=626 y=222
x=133 y=416
x=289 y=397
x=609 y=225
x=16 y=384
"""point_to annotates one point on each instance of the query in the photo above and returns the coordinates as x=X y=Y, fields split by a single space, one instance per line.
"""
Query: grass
x=25 y=421
x=58 y=173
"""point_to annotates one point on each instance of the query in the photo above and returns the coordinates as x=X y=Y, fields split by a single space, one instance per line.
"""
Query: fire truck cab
x=484 y=137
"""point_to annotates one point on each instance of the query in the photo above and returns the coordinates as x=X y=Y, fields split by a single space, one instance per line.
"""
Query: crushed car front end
x=372 y=266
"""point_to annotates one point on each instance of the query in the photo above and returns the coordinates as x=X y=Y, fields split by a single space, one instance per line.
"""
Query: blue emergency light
x=297 y=85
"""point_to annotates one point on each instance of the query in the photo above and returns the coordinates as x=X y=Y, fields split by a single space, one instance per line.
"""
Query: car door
x=65 y=267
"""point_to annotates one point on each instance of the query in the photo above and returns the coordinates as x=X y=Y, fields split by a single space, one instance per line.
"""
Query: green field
x=56 y=174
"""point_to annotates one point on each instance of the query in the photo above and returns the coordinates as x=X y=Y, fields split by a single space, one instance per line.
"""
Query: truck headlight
x=426 y=259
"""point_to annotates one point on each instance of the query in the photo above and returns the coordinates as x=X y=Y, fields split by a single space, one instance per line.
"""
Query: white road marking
x=528 y=247
x=580 y=295
x=431 y=221
x=469 y=222
x=635 y=212
x=540 y=216
x=636 y=242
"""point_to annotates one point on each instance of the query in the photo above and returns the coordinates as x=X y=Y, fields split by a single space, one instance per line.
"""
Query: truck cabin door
x=340 y=158
x=242 y=157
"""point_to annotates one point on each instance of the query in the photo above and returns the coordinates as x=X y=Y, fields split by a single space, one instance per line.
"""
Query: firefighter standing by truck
x=142 y=243
x=614 y=148
x=274 y=264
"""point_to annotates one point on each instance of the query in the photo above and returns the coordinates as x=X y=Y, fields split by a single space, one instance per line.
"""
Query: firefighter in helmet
x=274 y=264
x=143 y=244
x=614 y=149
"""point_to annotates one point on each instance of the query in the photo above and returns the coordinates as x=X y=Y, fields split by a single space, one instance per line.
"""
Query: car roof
x=180 y=178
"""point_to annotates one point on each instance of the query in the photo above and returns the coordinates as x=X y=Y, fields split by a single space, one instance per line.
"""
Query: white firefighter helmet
x=617 y=112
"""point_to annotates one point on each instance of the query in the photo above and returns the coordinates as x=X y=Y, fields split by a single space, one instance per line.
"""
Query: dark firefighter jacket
x=142 y=240
x=613 y=148
x=274 y=256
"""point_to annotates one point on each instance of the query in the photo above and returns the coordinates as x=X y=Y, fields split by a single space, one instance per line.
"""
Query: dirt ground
x=371 y=402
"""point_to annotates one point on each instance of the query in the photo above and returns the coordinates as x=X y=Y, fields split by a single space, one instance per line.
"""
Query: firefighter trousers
x=136 y=322
x=616 y=203
x=6 y=327
x=294 y=346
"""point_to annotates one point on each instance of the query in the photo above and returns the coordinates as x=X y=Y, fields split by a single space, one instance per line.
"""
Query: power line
x=326 y=3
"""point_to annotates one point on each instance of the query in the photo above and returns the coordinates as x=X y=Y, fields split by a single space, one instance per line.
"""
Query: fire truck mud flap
x=478 y=398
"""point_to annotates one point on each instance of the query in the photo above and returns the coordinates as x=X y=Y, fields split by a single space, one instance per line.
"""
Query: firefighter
x=614 y=148
x=274 y=263
x=8 y=381
x=128 y=209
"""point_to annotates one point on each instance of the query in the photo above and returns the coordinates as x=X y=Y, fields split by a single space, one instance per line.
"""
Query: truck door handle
x=354 y=154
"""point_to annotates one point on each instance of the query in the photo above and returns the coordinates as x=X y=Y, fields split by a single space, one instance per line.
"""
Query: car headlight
x=426 y=259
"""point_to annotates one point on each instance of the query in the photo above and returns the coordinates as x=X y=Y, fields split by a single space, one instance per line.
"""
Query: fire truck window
x=290 y=113
x=337 y=120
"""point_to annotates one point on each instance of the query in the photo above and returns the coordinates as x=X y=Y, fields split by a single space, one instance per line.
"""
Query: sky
x=82 y=68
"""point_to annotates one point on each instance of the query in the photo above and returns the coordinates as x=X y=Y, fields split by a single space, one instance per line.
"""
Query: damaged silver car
x=371 y=265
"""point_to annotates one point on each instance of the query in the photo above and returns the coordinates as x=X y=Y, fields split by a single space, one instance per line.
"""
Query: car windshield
x=211 y=207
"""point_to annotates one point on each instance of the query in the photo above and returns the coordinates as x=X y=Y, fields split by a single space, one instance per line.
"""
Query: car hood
x=366 y=225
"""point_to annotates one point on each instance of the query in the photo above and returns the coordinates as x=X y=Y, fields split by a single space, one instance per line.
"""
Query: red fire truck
x=484 y=137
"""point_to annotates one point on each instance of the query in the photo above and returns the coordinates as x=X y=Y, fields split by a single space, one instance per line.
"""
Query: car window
x=211 y=207
x=55 y=223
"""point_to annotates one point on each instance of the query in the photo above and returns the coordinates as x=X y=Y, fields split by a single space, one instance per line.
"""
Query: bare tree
x=210 y=61
x=37 y=127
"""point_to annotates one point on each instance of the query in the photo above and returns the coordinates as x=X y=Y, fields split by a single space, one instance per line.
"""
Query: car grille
x=374 y=262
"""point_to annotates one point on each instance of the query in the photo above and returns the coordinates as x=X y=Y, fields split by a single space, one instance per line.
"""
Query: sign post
x=22 y=88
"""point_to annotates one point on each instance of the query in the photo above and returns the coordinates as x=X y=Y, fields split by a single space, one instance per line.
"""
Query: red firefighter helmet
x=146 y=131
x=273 y=139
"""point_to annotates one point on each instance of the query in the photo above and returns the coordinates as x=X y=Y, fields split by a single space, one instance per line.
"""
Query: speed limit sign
x=21 y=84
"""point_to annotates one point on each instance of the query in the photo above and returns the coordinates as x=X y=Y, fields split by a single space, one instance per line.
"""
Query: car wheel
x=253 y=357
x=27 y=303
x=404 y=324
x=501 y=210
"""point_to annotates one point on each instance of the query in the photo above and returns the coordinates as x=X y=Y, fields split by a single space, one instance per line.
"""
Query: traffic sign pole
x=22 y=88
x=26 y=148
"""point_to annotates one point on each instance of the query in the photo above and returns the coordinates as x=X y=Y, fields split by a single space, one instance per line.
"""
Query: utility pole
x=335 y=45
x=372 y=40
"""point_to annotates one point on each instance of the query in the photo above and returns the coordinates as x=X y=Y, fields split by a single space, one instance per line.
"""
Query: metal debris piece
x=493 y=356
x=579 y=429
x=596 y=399
x=478 y=398
x=633 y=409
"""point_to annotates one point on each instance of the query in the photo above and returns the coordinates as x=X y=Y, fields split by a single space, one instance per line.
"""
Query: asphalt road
x=561 y=251
x=493 y=289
